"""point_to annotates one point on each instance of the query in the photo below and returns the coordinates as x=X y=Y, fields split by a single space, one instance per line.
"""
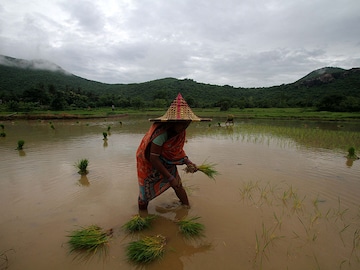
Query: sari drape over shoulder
x=151 y=182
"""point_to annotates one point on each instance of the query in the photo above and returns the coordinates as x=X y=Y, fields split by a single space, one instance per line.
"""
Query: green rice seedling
x=341 y=263
x=340 y=212
x=278 y=221
x=317 y=262
x=4 y=260
x=264 y=195
x=89 y=239
x=355 y=244
x=305 y=228
x=298 y=205
x=292 y=193
x=82 y=166
x=343 y=230
x=190 y=228
x=208 y=169
x=138 y=223
x=285 y=196
x=20 y=144
x=351 y=153
x=296 y=236
x=316 y=202
x=327 y=215
x=315 y=217
x=147 y=249
x=105 y=135
x=190 y=189
x=2 y=133
x=108 y=128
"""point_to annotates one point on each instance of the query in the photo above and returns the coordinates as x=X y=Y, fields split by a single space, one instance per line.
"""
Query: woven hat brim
x=179 y=110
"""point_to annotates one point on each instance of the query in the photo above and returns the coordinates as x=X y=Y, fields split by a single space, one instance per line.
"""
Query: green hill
x=42 y=82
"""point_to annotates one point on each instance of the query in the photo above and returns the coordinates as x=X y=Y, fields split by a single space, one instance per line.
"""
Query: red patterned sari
x=151 y=182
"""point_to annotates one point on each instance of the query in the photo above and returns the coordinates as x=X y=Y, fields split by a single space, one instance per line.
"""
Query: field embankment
x=253 y=113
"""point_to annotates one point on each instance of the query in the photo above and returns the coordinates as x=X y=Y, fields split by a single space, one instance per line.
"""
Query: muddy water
x=281 y=201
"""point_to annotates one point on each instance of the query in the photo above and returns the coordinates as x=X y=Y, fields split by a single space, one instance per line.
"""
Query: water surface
x=286 y=196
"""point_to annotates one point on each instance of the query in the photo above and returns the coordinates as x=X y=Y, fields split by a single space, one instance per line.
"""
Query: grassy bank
x=253 y=113
x=282 y=113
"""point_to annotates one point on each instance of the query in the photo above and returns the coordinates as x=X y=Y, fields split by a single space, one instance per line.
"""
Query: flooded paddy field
x=286 y=196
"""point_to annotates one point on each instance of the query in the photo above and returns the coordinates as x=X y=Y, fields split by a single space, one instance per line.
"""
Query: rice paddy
x=292 y=204
x=298 y=221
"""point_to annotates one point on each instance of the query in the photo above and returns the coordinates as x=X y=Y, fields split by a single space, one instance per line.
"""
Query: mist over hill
x=22 y=79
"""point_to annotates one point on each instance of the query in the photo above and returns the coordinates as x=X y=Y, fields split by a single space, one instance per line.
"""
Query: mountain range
x=18 y=75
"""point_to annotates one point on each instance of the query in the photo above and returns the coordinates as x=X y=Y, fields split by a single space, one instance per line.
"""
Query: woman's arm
x=155 y=152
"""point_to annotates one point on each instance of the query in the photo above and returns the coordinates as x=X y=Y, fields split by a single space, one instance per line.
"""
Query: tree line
x=28 y=90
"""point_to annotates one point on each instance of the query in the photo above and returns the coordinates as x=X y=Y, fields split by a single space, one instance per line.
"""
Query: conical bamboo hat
x=179 y=110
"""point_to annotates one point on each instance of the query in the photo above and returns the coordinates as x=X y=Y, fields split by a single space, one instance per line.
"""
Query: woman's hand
x=191 y=167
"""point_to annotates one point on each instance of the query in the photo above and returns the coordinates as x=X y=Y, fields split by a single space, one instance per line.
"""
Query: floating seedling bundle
x=207 y=168
x=138 y=223
x=146 y=249
x=190 y=228
x=88 y=239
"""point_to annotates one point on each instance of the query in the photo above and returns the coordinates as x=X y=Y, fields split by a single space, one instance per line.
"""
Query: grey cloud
x=86 y=14
x=240 y=43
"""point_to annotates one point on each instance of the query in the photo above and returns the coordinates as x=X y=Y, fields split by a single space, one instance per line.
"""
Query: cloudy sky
x=243 y=43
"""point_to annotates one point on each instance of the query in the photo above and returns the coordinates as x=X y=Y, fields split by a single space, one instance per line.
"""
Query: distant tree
x=159 y=103
x=138 y=103
x=123 y=102
x=161 y=95
x=191 y=102
x=13 y=106
x=331 y=103
x=58 y=103
x=350 y=104
x=39 y=95
x=52 y=89
x=224 y=105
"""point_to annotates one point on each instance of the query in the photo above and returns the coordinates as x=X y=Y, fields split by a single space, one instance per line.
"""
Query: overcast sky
x=243 y=43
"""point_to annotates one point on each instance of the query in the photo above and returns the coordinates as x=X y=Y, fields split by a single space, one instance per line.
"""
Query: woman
x=161 y=150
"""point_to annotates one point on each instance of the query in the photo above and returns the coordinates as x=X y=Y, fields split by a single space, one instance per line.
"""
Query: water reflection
x=105 y=144
x=349 y=162
x=22 y=153
x=84 y=181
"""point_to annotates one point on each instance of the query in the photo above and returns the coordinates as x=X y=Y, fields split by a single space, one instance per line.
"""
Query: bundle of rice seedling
x=88 y=239
x=190 y=228
x=352 y=154
x=138 y=223
x=146 y=249
x=82 y=166
x=206 y=168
